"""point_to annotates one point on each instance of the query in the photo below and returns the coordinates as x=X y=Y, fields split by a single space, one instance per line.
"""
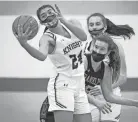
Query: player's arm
x=101 y=105
x=106 y=86
x=73 y=25
x=123 y=69
x=40 y=54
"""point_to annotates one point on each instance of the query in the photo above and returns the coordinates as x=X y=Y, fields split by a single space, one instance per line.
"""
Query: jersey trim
x=56 y=100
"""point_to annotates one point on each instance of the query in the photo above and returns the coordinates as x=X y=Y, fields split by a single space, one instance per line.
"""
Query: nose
x=94 y=27
x=98 y=50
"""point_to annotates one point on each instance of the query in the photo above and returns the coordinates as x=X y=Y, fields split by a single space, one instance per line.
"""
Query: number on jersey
x=76 y=59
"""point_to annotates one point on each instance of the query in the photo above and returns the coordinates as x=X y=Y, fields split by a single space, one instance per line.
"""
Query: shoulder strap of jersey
x=89 y=62
x=52 y=35
x=89 y=46
x=71 y=34
x=49 y=33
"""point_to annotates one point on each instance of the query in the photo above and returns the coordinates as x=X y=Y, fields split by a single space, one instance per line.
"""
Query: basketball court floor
x=25 y=107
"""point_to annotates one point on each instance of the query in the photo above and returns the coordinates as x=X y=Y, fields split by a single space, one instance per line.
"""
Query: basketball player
x=97 y=25
x=62 y=43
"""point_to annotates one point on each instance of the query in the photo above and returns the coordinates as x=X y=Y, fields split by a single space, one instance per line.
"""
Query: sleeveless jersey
x=93 y=78
x=67 y=55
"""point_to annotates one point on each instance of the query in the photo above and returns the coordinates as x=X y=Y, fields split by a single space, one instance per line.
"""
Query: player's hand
x=104 y=107
x=23 y=36
x=60 y=16
x=95 y=91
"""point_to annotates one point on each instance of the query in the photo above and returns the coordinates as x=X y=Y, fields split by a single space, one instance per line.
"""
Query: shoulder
x=120 y=48
x=47 y=38
x=118 y=41
x=50 y=34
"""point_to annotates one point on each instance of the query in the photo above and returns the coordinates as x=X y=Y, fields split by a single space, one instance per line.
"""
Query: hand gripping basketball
x=23 y=36
x=25 y=27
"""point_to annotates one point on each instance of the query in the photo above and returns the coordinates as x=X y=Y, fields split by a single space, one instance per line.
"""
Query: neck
x=95 y=65
x=94 y=36
x=58 y=29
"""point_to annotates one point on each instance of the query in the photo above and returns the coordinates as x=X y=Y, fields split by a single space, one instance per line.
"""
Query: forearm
x=77 y=31
x=120 y=100
x=34 y=52
x=112 y=98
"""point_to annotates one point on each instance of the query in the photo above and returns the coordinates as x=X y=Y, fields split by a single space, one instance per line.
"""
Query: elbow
x=42 y=58
x=109 y=98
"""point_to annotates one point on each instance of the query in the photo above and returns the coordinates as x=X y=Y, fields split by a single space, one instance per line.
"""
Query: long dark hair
x=112 y=29
x=114 y=56
x=124 y=31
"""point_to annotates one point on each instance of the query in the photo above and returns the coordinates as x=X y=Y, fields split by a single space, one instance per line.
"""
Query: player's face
x=49 y=17
x=95 y=25
x=100 y=50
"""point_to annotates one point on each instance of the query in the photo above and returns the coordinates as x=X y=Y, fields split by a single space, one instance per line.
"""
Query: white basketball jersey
x=67 y=56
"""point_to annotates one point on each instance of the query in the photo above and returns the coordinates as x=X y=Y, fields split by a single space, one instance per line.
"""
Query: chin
x=54 y=25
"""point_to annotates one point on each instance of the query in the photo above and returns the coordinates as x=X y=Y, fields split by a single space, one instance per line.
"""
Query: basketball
x=25 y=21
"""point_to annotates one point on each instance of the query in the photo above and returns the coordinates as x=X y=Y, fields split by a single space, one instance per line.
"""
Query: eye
x=103 y=49
x=91 y=24
x=50 y=12
x=98 y=23
x=44 y=16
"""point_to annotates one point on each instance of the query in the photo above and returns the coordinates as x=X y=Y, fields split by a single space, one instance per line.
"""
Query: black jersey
x=93 y=78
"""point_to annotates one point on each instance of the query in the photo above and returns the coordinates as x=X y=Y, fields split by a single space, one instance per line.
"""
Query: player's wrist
x=24 y=44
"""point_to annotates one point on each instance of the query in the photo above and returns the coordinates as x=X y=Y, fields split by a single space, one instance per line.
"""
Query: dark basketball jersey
x=93 y=78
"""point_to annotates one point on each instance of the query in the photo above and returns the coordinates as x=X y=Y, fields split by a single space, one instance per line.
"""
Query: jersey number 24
x=76 y=59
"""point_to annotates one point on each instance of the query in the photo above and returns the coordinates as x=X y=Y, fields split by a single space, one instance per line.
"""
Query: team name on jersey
x=72 y=46
x=92 y=80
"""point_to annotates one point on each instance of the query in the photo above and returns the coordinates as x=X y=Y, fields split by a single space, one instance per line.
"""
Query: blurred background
x=23 y=79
